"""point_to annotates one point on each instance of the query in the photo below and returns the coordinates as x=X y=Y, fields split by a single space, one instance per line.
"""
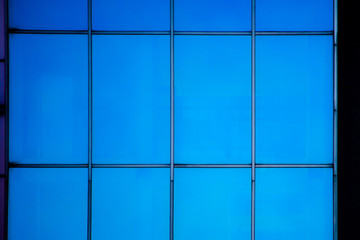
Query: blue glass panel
x=212 y=15
x=212 y=204
x=131 y=204
x=2 y=29
x=131 y=15
x=294 y=97
x=294 y=204
x=48 y=14
x=294 y=15
x=48 y=98
x=131 y=99
x=212 y=99
x=48 y=204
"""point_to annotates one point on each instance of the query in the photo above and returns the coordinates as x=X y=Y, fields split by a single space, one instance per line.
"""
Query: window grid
x=253 y=33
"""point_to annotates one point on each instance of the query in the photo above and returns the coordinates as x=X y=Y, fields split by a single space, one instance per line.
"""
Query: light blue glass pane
x=131 y=99
x=131 y=15
x=212 y=99
x=48 y=204
x=212 y=204
x=48 y=98
x=212 y=15
x=294 y=15
x=131 y=204
x=48 y=14
x=294 y=204
x=294 y=97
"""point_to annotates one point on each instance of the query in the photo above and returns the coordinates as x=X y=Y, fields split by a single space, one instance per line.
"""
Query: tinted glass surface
x=212 y=99
x=48 y=14
x=131 y=15
x=294 y=99
x=294 y=15
x=212 y=204
x=48 y=98
x=131 y=203
x=294 y=204
x=131 y=99
x=212 y=15
x=47 y=204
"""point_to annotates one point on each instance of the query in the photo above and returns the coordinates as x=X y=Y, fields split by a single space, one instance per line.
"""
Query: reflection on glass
x=212 y=203
x=131 y=203
x=48 y=98
x=212 y=99
x=294 y=97
x=131 y=99
x=294 y=204
x=47 y=204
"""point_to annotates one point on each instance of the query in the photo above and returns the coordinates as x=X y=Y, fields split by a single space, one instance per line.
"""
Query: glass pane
x=212 y=99
x=294 y=204
x=294 y=97
x=212 y=15
x=131 y=15
x=212 y=203
x=48 y=14
x=2 y=29
x=48 y=204
x=2 y=207
x=48 y=98
x=131 y=99
x=131 y=204
x=294 y=15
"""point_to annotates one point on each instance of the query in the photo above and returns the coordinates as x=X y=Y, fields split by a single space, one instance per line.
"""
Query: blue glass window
x=48 y=204
x=48 y=14
x=212 y=204
x=48 y=98
x=131 y=203
x=131 y=15
x=212 y=99
x=294 y=99
x=294 y=15
x=294 y=204
x=131 y=92
x=212 y=15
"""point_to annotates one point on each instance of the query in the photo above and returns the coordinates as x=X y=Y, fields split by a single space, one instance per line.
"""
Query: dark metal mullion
x=253 y=166
x=172 y=120
x=335 y=118
x=89 y=214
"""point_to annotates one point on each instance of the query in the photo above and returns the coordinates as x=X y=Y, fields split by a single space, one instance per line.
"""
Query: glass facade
x=168 y=119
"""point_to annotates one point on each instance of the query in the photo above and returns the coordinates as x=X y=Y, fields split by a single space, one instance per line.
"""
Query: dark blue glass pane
x=47 y=204
x=48 y=14
x=2 y=29
x=294 y=99
x=212 y=99
x=294 y=204
x=294 y=15
x=131 y=15
x=131 y=204
x=212 y=204
x=131 y=99
x=48 y=98
x=212 y=15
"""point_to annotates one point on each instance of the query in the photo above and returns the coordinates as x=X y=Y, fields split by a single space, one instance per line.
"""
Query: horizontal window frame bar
x=191 y=33
x=15 y=165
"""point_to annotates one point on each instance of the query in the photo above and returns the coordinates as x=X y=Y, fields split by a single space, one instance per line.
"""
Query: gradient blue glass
x=131 y=15
x=131 y=99
x=212 y=203
x=294 y=15
x=131 y=203
x=48 y=204
x=294 y=204
x=212 y=99
x=48 y=14
x=48 y=99
x=212 y=15
x=294 y=99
